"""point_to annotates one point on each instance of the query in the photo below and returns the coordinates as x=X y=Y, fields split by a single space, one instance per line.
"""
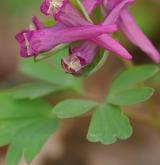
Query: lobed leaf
x=73 y=108
x=25 y=125
x=30 y=140
x=131 y=96
x=108 y=123
x=11 y=108
x=133 y=76
x=50 y=72
x=45 y=72
x=35 y=90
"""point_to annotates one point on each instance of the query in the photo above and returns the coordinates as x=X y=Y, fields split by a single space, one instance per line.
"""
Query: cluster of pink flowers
x=71 y=26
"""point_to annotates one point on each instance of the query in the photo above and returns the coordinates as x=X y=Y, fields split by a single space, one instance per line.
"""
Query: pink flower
x=71 y=26
x=131 y=30
x=69 y=16
x=35 y=41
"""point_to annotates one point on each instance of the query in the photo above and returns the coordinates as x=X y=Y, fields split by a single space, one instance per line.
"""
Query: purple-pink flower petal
x=69 y=16
x=136 y=36
x=129 y=27
x=37 y=41
x=79 y=57
x=107 y=42
x=37 y=23
x=115 y=13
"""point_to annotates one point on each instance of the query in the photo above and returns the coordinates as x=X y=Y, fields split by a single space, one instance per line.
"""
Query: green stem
x=128 y=64
x=83 y=11
x=51 y=53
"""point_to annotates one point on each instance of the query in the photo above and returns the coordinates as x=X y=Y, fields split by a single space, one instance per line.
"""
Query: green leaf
x=133 y=76
x=107 y=124
x=35 y=90
x=44 y=71
x=30 y=140
x=25 y=125
x=50 y=72
x=73 y=108
x=11 y=108
x=131 y=96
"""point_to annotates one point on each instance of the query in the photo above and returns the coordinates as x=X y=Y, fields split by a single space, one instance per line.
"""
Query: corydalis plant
x=29 y=118
x=72 y=25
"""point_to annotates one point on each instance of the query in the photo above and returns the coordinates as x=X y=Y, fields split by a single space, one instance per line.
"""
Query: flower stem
x=128 y=64
x=83 y=11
